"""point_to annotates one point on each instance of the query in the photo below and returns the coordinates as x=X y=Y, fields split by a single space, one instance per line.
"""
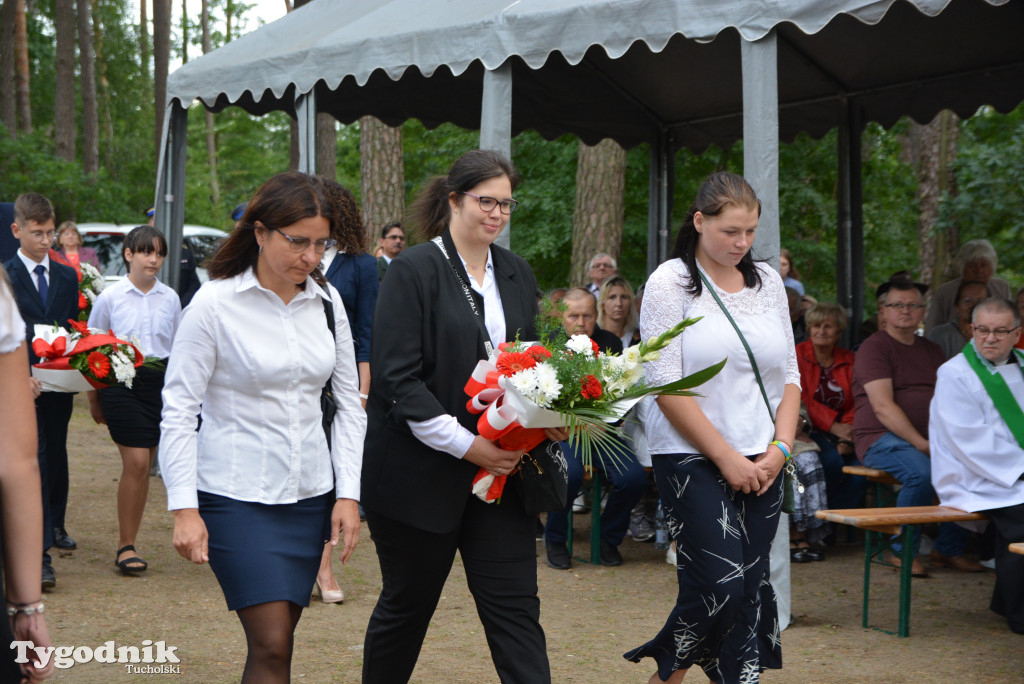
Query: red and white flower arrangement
x=83 y=359
x=565 y=382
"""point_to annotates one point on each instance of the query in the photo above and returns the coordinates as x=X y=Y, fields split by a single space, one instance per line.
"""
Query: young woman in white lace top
x=718 y=457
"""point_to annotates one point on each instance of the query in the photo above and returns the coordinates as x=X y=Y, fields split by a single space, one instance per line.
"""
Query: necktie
x=44 y=289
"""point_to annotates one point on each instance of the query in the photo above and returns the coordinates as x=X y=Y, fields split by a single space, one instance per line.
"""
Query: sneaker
x=610 y=555
x=540 y=530
x=989 y=563
x=558 y=555
x=579 y=504
x=640 y=527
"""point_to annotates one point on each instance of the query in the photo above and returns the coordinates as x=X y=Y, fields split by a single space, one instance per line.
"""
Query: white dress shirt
x=731 y=400
x=256 y=366
x=12 y=327
x=444 y=433
x=151 y=316
x=976 y=461
x=31 y=265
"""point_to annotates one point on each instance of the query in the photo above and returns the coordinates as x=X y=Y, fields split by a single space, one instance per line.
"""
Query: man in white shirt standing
x=977 y=441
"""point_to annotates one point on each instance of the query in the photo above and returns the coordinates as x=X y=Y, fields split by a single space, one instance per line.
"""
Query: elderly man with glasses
x=601 y=268
x=893 y=383
x=977 y=429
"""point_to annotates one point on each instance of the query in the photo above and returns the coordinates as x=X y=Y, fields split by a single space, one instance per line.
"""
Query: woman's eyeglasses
x=302 y=244
x=488 y=203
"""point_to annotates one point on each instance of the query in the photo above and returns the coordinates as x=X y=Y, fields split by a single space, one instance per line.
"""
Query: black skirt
x=264 y=552
x=133 y=415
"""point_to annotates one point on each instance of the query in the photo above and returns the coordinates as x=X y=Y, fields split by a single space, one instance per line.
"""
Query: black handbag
x=327 y=404
x=542 y=478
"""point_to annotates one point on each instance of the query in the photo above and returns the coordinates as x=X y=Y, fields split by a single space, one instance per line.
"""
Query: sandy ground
x=591 y=614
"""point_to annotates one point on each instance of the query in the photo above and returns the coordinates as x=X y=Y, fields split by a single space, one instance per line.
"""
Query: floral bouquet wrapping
x=83 y=359
x=564 y=382
x=90 y=284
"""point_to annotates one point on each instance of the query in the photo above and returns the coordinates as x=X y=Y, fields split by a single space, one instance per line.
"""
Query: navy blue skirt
x=263 y=552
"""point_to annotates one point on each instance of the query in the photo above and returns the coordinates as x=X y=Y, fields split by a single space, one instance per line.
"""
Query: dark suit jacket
x=354 y=276
x=426 y=343
x=61 y=301
x=382 y=268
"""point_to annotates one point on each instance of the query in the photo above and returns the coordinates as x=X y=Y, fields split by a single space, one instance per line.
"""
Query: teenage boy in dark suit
x=47 y=293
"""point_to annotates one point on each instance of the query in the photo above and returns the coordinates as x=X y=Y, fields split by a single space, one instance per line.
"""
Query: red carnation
x=591 y=388
x=502 y=346
x=538 y=352
x=511 y=363
x=83 y=301
x=99 y=364
x=597 y=349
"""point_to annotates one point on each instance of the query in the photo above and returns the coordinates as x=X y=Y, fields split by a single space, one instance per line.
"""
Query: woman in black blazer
x=422 y=450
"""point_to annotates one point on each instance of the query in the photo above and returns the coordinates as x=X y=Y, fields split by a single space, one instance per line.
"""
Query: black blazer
x=425 y=344
x=61 y=300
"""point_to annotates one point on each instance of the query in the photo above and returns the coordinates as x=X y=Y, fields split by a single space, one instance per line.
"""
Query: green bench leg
x=907 y=539
x=595 y=521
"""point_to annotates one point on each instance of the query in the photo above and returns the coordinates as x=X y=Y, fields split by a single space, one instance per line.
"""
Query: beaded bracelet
x=26 y=609
x=783 y=448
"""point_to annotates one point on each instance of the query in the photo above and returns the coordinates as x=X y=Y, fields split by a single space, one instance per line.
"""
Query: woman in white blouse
x=718 y=457
x=257 y=491
x=138 y=306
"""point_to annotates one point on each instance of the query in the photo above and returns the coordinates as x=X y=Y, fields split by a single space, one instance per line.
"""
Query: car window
x=108 y=250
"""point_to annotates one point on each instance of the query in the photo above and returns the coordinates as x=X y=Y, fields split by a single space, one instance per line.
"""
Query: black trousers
x=499 y=552
x=53 y=413
x=1008 y=595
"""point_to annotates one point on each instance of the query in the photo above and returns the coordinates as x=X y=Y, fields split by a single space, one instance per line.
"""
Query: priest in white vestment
x=976 y=427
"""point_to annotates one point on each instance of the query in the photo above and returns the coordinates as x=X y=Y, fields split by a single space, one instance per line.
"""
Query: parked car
x=107 y=238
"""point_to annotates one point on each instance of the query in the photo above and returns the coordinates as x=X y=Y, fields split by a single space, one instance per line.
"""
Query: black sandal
x=130 y=565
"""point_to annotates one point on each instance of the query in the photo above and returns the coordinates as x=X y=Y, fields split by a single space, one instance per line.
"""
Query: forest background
x=80 y=79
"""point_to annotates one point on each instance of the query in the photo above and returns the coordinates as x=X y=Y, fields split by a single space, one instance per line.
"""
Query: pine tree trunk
x=144 y=37
x=933 y=151
x=382 y=167
x=161 y=58
x=600 y=205
x=64 y=128
x=8 y=98
x=87 y=67
x=326 y=146
x=211 y=138
x=21 y=68
x=103 y=91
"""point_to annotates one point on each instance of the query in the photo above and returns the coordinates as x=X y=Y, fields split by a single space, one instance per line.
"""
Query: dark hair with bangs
x=144 y=240
x=716 y=194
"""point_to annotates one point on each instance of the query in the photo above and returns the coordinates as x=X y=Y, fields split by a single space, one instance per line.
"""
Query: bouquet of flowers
x=90 y=284
x=567 y=382
x=83 y=359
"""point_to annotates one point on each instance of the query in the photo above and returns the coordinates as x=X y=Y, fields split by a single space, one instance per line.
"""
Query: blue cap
x=150 y=212
x=238 y=211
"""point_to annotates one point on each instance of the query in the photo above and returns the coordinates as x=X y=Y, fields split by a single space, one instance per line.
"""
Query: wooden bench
x=882 y=522
x=884 y=495
x=1017 y=548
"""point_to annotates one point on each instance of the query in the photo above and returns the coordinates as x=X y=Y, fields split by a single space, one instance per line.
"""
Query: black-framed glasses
x=999 y=333
x=301 y=244
x=904 y=305
x=488 y=203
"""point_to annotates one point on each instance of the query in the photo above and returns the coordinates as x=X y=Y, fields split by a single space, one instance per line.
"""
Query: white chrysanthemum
x=124 y=369
x=524 y=381
x=90 y=295
x=548 y=387
x=580 y=344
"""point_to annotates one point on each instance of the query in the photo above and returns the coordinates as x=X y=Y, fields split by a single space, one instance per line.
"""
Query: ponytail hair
x=430 y=213
x=719 y=192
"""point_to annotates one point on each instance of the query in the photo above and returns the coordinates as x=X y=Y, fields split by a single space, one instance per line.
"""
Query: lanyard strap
x=750 y=354
x=999 y=392
x=469 y=295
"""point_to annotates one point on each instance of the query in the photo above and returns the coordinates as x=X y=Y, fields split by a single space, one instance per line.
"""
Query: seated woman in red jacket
x=826 y=375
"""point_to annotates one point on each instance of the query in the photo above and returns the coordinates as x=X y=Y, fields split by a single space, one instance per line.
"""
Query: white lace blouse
x=731 y=400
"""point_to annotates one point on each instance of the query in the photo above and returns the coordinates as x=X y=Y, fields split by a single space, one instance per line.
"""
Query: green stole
x=998 y=391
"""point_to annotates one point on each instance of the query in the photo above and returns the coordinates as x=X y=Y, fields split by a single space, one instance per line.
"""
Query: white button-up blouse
x=255 y=367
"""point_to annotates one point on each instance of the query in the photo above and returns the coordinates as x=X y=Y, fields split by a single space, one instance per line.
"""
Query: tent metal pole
x=496 y=122
x=305 y=111
x=169 y=202
x=850 y=222
x=761 y=138
x=659 y=201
